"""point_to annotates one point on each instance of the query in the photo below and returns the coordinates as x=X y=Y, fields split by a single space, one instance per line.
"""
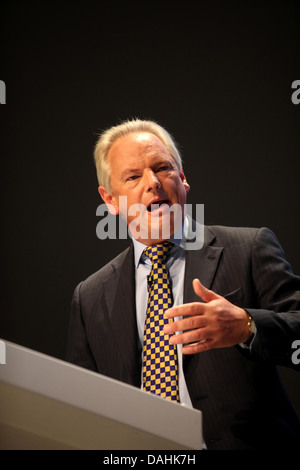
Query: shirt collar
x=177 y=238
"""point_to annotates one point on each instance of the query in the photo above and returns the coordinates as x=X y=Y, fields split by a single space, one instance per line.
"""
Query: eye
x=132 y=177
x=163 y=168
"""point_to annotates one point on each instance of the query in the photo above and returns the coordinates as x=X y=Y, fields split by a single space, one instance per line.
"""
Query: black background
x=217 y=75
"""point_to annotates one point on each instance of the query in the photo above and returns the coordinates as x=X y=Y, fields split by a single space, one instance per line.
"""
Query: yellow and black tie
x=160 y=362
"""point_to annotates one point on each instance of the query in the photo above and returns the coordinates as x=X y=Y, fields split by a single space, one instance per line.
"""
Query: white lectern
x=46 y=403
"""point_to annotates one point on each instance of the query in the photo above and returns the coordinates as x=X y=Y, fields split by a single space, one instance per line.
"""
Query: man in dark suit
x=236 y=299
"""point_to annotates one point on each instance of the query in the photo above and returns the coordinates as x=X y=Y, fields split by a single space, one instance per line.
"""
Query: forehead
x=136 y=147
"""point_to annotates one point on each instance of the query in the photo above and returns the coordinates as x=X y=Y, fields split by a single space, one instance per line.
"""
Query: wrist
x=251 y=328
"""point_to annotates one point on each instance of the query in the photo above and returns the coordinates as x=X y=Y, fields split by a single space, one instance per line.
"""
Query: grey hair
x=109 y=136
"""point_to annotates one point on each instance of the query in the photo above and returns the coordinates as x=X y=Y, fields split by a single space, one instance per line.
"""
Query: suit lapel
x=120 y=301
x=201 y=264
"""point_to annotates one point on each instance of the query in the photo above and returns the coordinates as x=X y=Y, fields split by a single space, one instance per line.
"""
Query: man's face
x=143 y=170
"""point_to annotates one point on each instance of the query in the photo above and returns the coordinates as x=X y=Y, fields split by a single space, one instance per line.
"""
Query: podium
x=49 y=404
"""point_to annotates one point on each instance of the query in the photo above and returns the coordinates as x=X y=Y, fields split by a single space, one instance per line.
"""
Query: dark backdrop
x=217 y=75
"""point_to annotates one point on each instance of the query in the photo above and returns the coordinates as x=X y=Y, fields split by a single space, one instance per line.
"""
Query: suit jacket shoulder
x=223 y=235
x=107 y=272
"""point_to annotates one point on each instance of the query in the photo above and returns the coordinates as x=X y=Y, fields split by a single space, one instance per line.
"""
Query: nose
x=152 y=181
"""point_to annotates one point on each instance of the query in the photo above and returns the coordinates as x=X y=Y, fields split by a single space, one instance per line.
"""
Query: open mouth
x=158 y=205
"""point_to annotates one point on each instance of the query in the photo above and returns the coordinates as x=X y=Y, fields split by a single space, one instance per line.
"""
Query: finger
x=193 y=336
x=192 y=308
x=197 y=347
x=204 y=293
x=190 y=323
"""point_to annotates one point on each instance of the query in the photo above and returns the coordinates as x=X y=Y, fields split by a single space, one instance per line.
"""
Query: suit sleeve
x=78 y=349
x=277 y=317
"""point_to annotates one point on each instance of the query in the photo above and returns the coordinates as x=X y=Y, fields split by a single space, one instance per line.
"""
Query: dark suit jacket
x=243 y=403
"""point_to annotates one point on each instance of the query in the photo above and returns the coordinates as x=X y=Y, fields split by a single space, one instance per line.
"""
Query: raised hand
x=213 y=323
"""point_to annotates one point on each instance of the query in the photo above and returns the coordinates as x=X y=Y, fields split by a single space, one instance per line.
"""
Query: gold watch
x=251 y=326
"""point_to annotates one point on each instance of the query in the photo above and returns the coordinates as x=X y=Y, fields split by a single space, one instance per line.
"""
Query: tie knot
x=158 y=252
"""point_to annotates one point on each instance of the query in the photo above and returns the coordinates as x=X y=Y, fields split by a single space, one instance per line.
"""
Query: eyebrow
x=160 y=160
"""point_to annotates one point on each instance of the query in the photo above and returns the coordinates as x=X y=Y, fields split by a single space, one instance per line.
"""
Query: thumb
x=205 y=294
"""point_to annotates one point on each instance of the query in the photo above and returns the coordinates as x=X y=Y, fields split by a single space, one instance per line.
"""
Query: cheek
x=180 y=191
x=130 y=205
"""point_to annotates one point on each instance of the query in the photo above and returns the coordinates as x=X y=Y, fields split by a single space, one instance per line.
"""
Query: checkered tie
x=160 y=364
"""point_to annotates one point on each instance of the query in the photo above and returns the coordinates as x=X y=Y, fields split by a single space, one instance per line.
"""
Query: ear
x=184 y=181
x=109 y=200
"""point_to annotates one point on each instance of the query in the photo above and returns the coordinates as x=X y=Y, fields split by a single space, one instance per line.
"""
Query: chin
x=153 y=228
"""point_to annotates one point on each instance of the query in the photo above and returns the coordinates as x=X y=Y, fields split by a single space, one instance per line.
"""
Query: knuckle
x=194 y=322
x=203 y=346
x=195 y=308
x=196 y=335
